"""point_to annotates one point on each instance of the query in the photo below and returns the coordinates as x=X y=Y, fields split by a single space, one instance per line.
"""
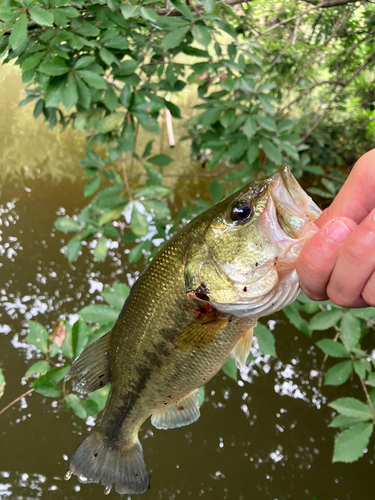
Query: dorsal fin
x=91 y=367
x=201 y=333
x=241 y=350
x=184 y=412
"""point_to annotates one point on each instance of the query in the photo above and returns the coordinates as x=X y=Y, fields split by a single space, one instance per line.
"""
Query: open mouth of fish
x=288 y=220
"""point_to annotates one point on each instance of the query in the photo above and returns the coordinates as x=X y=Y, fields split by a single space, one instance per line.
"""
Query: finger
x=356 y=198
x=319 y=255
x=354 y=267
x=368 y=293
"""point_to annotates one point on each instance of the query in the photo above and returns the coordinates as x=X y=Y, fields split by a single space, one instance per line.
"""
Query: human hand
x=338 y=262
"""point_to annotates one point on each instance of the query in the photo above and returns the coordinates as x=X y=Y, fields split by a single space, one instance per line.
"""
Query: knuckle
x=368 y=294
x=338 y=297
x=314 y=295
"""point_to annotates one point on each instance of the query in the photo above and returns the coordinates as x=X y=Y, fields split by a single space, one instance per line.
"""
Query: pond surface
x=262 y=438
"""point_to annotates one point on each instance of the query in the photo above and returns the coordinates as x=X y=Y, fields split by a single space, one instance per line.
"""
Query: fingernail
x=338 y=231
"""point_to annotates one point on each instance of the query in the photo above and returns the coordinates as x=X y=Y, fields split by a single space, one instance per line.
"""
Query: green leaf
x=111 y=215
x=350 y=444
x=41 y=16
x=351 y=407
x=92 y=186
x=201 y=395
x=148 y=123
x=73 y=249
x=215 y=159
x=83 y=62
x=153 y=192
x=70 y=94
x=39 y=367
x=66 y=224
x=344 y=421
x=360 y=368
x=184 y=9
x=129 y=10
x=272 y=151
x=148 y=149
x=160 y=209
x=116 y=295
x=350 y=330
x=266 y=340
x=32 y=61
x=110 y=122
x=339 y=373
x=149 y=14
x=38 y=336
x=201 y=35
x=72 y=401
x=47 y=387
x=332 y=348
x=110 y=99
x=99 y=314
x=293 y=315
x=249 y=128
x=230 y=368
x=371 y=380
x=210 y=116
x=55 y=67
x=252 y=151
x=80 y=336
x=216 y=190
x=326 y=319
x=19 y=32
x=92 y=79
x=107 y=56
x=266 y=105
x=138 y=223
x=2 y=383
x=160 y=160
x=267 y=123
x=101 y=249
x=137 y=251
x=175 y=37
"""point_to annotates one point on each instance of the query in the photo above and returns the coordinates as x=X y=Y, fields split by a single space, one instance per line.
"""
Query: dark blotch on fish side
x=115 y=424
x=245 y=288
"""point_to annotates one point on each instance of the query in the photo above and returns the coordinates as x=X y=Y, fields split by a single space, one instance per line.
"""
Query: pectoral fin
x=201 y=333
x=241 y=350
x=92 y=367
x=184 y=412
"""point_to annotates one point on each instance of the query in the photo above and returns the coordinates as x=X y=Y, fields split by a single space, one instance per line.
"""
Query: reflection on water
x=264 y=437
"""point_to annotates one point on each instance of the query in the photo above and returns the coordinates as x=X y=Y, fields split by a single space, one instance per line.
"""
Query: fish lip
x=301 y=201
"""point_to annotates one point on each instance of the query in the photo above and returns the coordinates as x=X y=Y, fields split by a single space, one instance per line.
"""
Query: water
x=262 y=438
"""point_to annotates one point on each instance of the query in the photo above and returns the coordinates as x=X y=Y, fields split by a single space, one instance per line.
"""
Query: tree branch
x=337 y=94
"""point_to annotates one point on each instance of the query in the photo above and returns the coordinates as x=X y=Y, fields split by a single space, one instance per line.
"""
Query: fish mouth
x=288 y=219
x=294 y=207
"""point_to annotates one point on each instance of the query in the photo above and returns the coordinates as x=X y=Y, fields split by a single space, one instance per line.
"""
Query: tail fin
x=97 y=461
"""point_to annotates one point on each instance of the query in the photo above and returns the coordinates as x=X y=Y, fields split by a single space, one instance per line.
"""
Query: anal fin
x=241 y=350
x=184 y=412
x=92 y=367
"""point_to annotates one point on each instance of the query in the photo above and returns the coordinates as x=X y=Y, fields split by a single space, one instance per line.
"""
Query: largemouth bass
x=195 y=304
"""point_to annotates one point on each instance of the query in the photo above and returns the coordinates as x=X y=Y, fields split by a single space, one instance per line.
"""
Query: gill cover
x=246 y=267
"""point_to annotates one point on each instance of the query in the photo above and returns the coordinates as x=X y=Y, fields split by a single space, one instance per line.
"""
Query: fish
x=196 y=303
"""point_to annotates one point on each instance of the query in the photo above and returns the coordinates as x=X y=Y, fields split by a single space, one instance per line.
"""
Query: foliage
x=274 y=83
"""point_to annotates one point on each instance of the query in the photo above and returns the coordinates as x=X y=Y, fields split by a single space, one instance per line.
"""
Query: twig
x=135 y=145
x=367 y=395
x=168 y=121
x=17 y=399
x=308 y=90
x=125 y=175
x=335 y=96
x=203 y=174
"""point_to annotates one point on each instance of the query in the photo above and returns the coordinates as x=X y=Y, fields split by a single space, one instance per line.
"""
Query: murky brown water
x=263 y=438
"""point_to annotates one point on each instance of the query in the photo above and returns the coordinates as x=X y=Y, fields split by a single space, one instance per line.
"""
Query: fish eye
x=241 y=212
